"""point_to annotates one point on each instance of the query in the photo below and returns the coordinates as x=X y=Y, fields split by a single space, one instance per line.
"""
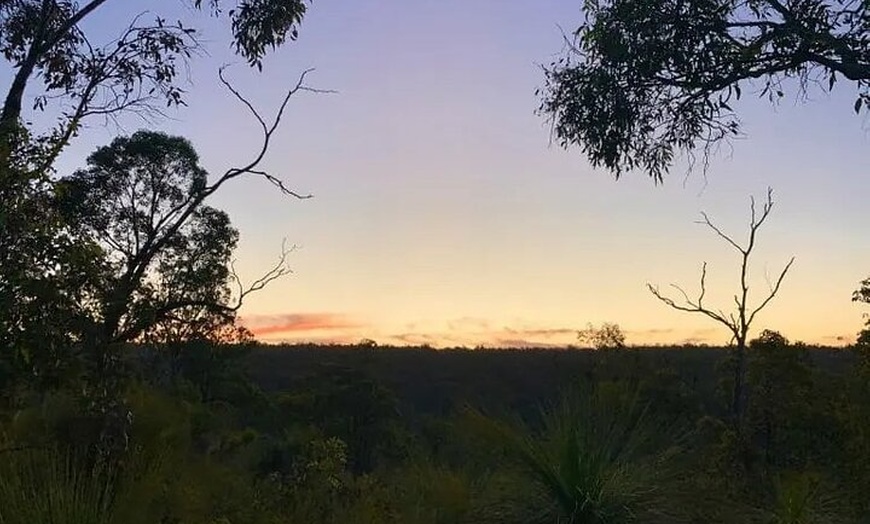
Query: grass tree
x=739 y=321
x=592 y=459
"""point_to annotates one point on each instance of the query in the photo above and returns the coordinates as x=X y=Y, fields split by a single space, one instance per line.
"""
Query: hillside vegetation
x=253 y=433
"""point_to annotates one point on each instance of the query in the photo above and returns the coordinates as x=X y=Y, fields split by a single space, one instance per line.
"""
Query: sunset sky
x=443 y=215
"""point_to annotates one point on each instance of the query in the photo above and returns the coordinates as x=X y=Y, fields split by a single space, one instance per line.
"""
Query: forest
x=132 y=392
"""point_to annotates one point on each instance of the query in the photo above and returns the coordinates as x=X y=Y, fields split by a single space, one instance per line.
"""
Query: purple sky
x=443 y=215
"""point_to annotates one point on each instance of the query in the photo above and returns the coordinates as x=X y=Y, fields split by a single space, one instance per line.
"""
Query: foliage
x=802 y=498
x=608 y=336
x=64 y=294
x=862 y=294
x=45 y=41
x=645 y=80
x=52 y=473
x=261 y=25
x=592 y=460
x=285 y=456
x=165 y=256
x=348 y=405
x=792 y=430
x=53 y=487
x=42 y=273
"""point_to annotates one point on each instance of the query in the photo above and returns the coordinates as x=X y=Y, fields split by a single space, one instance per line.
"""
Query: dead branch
x=738 y=322
x=268 y=130
x=175 y=218
x=279 y=270
x=692 y=306
x=773 y=291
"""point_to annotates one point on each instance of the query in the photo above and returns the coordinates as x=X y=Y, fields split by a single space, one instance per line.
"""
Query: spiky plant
x=52 y=481
x=801 y=498
x=593 y=460
x=54 y=487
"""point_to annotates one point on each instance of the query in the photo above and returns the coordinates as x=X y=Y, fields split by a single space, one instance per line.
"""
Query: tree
x=781 y=408
x=740 y=321
x=164 y=257
x=52 y=278
x=608 y=336
x=42 y=274
x=644 y=80
x=44 y=40
x=141 y=201
x=862 y=294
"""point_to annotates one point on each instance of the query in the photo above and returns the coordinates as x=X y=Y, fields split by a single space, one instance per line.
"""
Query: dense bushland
x=248 y=433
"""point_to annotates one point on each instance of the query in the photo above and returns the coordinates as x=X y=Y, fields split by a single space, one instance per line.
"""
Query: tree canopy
x=862 y=294
x=164 y=255
x=643 y=81
x=44 y=43
x=124 y=250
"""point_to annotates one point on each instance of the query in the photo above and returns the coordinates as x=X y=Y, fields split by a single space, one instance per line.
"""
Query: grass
x=54 y=487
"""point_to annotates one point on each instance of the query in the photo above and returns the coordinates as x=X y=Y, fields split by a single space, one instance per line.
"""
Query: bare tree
x=740 y=320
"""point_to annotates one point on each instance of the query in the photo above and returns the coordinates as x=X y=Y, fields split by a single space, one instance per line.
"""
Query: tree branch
x=268 y=130
x=739 y=323
x=706 y=221
x=689 y=306
x=280 y=269
x=773 y=291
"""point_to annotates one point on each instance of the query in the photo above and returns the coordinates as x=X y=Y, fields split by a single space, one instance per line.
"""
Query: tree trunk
x=739 y=396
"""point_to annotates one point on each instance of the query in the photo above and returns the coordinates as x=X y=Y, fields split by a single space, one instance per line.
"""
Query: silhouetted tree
x=862 y=294
x=45 y=41
x=738 y=322
x=45 y=271
x=862 y=344
x=780 y=407
x=643 y=80
x=608 y=336
x=166 y=255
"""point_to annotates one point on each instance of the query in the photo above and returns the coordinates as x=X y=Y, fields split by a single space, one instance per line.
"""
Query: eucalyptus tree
x=48 y=48
x=54 y=273
x=163 y=257
x=644 y=80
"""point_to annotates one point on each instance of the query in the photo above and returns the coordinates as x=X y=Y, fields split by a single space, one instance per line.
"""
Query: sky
x=443 y=214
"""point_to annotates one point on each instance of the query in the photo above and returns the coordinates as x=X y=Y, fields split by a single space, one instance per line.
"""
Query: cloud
x=543 y=332
x=523 y=343
x=705 y=336
x=693 y=341
x=467 y=324
x=337 y=328
x=837 y=340
x=290 y=323
x=650 y=332
x=417 y=339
